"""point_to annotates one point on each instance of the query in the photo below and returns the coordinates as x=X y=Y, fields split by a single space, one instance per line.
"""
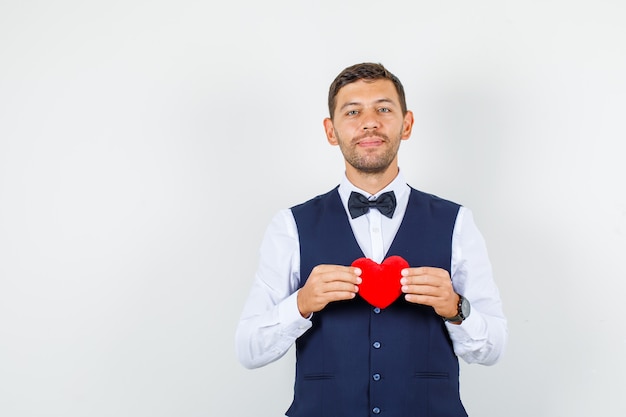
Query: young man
x=355 y=359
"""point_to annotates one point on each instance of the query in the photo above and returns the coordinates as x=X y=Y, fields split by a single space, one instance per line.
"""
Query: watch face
x=465 y=307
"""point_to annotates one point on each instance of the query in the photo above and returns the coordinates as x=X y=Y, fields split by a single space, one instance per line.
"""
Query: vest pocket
x=436 y=392
x=315 y=396
x=315 y=377
x=431 y=375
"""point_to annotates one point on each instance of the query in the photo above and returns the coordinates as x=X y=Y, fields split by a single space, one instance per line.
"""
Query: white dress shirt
x=271 y=322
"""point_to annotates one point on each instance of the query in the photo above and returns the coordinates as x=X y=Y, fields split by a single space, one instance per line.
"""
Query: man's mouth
x=370 y=140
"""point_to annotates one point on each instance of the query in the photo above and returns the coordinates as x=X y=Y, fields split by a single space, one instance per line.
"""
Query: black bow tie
x=358 y=204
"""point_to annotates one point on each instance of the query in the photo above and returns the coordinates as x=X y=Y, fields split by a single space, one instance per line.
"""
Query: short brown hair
x=365 y=71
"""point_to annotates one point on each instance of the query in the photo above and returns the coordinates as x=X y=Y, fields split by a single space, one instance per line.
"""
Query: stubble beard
x=370 y=161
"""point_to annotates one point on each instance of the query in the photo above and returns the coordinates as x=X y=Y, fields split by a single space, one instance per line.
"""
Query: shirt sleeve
x=482 y=337
x=270 y=321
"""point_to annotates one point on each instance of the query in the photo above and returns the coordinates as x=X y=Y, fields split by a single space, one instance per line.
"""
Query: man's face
x=368 y=125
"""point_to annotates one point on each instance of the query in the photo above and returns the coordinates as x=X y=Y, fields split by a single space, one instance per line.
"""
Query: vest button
x=376 y=410
x=376 y=377
x=376 y=345
x=377 y=310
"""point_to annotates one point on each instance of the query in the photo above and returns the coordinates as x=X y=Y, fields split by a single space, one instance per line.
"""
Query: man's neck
x=371 y=182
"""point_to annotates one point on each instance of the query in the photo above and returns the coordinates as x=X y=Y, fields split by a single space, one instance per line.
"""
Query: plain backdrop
x=145 y=145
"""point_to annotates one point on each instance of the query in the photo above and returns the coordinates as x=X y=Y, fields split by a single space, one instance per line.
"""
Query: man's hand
x=328 y=283
x=431 y=287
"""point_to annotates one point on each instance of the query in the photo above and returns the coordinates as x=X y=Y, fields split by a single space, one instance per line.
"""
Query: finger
x=343 y=274
x=340 y=286
x=340 y=295
x=421 y=270
x=424 y=270
x=336 y=269
x=424 y=280
x=423 y=299
x=426 y=290
x=434 y=277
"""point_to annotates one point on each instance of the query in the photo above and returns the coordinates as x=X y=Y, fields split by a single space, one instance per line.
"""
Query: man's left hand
x=432 y=287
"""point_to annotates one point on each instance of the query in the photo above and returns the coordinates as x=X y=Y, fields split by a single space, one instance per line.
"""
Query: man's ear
x=329 y=128
x=407 y=125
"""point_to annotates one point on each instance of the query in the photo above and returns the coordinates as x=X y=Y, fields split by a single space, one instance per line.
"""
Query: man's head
x=366 y=71
x=368 y=121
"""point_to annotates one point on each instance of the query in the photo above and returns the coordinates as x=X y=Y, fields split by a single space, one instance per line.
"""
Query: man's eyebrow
x=357 y=103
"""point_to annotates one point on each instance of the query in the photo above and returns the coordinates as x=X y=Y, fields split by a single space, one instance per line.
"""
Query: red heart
x=381 y=282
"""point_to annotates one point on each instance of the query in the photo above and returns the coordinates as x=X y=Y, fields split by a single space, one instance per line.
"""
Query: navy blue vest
x=359 y=361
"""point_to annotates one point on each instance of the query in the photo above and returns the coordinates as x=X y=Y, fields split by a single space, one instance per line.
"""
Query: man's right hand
x=328 y=283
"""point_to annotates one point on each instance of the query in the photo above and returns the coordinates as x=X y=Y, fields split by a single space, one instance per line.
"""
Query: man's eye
x=352 y=112
x=384 y=110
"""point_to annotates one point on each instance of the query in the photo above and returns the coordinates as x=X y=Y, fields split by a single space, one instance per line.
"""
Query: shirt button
x=376 y=345
x=376 y=377
x=376 y=410
x=376 y=310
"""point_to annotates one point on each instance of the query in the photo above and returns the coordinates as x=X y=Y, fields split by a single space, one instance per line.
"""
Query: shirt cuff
x=471 y=329
x=292 y=321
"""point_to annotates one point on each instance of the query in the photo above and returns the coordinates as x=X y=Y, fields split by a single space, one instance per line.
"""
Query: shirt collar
x=398 y=186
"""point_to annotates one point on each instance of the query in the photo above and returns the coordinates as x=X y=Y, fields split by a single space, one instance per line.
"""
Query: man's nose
x=370 y=121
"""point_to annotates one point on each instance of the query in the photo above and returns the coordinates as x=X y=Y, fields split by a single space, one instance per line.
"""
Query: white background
x=145 y=145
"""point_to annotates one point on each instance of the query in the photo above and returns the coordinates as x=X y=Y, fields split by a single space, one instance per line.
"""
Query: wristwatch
x=463 y=311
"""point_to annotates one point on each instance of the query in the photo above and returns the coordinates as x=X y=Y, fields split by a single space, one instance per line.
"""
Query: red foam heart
x=381 y=282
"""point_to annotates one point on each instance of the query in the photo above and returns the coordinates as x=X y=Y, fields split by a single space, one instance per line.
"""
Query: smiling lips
x=370 y=140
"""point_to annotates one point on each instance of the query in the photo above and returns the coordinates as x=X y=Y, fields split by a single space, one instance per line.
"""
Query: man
x=355 y=359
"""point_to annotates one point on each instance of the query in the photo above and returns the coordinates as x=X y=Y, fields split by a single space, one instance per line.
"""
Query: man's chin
x=371 y=169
